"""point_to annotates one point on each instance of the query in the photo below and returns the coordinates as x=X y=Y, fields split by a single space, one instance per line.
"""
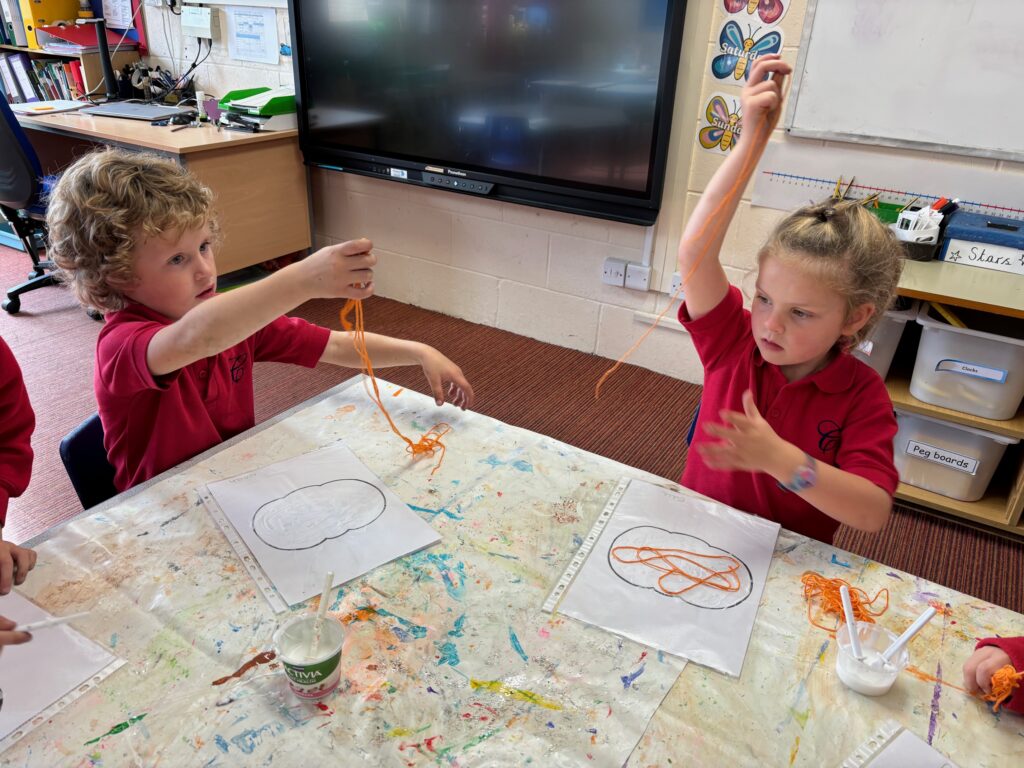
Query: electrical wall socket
x=677 y=280
x=638 y=277
x=614 y=272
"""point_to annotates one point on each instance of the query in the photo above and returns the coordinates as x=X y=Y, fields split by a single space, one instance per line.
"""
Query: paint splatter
x=221 y=743
x=449 y=654
x=118 y=728
x=454 y=578
x=435 y=512
x=367 y=612
x=113 y=640
x=263 y=658
x=516 y=646
x=628 y=680
x=248 y=740
x=933 y=721
x=518 y=464
x=457 y=630
x=502 y=689
x=837 y=561
x=894 y=575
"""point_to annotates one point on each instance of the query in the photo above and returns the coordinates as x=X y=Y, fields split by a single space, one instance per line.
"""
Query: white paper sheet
x=117 y=13
x=58 y=661
x=252 y=34
x=677 y=573
x=323 y=511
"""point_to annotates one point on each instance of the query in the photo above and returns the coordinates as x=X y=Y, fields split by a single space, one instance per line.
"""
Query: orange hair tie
x=430 y=442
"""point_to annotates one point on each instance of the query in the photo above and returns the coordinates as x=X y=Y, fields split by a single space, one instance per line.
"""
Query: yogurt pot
x=869 y=676
x=310 y=677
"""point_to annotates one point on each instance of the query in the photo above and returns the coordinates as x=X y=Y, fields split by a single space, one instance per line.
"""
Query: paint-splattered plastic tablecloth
x=448 y=658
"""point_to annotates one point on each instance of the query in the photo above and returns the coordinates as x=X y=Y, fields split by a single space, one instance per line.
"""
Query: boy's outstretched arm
x=442 y=374
x=337 y=271
x=699 y=265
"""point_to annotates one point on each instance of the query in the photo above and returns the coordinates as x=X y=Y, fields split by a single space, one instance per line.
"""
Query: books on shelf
x=25 y=80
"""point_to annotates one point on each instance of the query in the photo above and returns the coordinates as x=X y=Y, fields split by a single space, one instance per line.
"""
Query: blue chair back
x=20 y=171
x=85 y=460
x=693 y=426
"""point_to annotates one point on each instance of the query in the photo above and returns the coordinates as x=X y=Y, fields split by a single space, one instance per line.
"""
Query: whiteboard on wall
x=939 y=75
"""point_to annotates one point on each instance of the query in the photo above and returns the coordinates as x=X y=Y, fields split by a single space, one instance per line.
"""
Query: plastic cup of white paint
x=869 y=676
x=310 y=677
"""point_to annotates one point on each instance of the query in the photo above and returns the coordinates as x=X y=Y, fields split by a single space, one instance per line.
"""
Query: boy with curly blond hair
x=134 y=235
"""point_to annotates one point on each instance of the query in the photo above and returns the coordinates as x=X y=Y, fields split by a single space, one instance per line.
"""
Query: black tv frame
x=571 y=197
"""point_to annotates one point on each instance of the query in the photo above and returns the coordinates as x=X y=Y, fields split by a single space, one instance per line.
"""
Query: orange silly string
x=430 y=442
x=717 y=224
x=818 y=586
x=1004 y=682
x=666 y=559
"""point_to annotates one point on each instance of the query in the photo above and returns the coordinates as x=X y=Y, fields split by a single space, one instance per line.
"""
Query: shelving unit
x=92 y=68
x=999 y=293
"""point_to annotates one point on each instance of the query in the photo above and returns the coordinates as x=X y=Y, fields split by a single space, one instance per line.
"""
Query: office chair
x=85 y=461
x=22 y=192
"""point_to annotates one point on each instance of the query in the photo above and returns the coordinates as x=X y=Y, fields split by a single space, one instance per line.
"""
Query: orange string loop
x=667 y=561
x=827 y=590
x=430 y=442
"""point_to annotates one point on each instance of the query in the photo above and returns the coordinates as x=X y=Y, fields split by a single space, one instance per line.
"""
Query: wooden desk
x=431 y=674
x=259 y=180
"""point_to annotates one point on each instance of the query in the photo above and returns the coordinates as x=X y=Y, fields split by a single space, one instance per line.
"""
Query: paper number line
x=829 y=184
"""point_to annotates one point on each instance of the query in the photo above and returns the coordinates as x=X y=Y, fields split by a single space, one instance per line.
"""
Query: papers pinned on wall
x=252 y=34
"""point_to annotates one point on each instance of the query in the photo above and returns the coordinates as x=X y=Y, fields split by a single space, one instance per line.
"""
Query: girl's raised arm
x=705 y=283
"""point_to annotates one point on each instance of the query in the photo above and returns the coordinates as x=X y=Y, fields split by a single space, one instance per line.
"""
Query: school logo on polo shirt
x=829 y=436
x=238 y=367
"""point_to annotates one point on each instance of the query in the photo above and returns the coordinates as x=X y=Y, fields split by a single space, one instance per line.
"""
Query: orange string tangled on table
x=665 y=559
x=817 y=586
x=430 y=442
x=1004 y=682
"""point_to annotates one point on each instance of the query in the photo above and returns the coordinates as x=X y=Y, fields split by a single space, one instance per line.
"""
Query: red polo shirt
x=16 y=424
x=151 y=424
x=841 y=415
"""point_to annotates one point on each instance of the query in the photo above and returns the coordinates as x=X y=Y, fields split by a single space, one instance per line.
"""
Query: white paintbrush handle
x=325 y=597
x=851 y=622
x=910 y=631
x=47 y=623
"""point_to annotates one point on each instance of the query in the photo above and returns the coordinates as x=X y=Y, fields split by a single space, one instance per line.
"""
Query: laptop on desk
x=134 y=111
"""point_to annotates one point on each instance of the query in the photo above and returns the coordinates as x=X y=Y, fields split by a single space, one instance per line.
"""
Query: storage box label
x=997 y=375
x=987 y=255
x=942 y=456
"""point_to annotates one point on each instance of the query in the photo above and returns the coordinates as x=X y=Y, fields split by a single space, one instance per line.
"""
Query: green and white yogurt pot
x=310 y=677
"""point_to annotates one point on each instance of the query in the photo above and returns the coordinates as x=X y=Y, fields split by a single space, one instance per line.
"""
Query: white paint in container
x=872 y=675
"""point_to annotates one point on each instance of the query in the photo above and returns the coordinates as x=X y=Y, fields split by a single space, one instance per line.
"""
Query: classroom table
x=448 y=658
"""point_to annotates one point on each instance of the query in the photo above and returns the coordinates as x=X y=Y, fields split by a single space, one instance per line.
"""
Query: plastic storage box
x=946 y=458
x=979 y=240
x=878 y=349
x=968 y=370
